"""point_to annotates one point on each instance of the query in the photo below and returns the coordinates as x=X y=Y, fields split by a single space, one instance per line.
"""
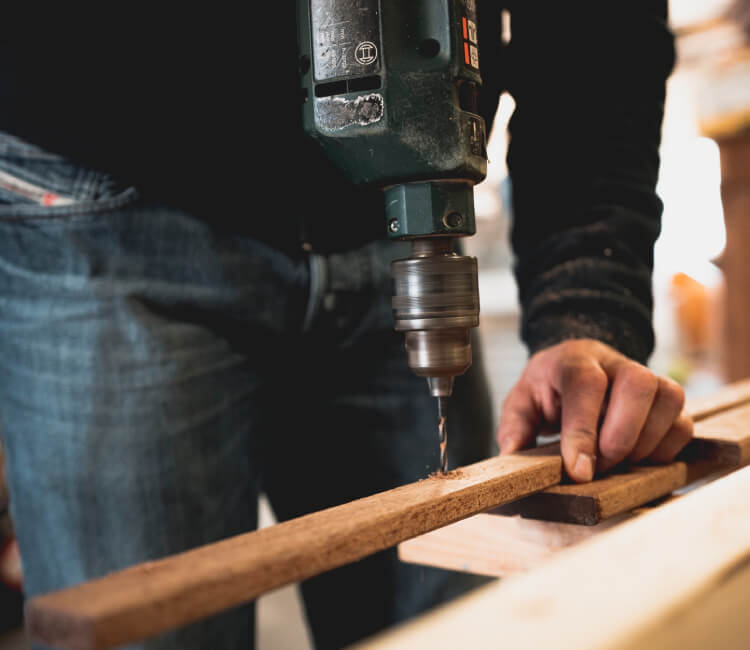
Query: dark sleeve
x=588 y=79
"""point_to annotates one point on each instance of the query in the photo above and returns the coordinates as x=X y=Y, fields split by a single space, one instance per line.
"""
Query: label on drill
x=477 y=136
x=345 y=38
x=470 y=35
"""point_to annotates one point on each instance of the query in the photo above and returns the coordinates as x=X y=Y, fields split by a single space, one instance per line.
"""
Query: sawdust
x=453 y=474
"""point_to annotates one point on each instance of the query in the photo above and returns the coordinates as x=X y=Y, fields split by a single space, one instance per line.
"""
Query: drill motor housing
x=390 y=91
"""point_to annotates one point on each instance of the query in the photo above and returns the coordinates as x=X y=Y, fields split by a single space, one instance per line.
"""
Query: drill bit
x=443 y=433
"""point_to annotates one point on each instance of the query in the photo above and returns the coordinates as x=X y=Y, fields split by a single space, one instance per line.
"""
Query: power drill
x=390 y=91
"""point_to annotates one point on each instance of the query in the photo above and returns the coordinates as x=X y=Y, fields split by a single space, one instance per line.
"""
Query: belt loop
x=318 y=285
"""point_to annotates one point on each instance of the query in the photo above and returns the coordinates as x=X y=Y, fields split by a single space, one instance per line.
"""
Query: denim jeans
x=156 y=375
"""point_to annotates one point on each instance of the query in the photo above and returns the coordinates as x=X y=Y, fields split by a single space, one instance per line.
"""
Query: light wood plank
x=728 y=397
x=151 y=598
x=497 y=545
x=676 y=577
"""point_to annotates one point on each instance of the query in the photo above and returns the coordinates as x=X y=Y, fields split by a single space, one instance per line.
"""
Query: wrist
x=634 y=342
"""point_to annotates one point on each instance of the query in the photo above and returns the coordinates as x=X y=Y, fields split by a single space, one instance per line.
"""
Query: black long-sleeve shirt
x=202 y=110
x=589 y=83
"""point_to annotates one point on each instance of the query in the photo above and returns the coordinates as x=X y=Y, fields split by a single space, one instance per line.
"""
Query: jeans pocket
x=37 y=184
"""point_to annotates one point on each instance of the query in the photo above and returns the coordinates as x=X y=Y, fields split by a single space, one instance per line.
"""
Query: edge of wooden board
x=727 y=397
x=497 y=546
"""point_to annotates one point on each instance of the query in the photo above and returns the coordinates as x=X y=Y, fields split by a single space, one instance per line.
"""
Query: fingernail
x=583 y=468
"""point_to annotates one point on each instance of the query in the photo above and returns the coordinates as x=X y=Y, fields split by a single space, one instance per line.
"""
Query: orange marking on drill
x=466 y=29
x=466 y=54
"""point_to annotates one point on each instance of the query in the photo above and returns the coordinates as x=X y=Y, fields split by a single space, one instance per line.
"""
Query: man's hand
x=607 y=406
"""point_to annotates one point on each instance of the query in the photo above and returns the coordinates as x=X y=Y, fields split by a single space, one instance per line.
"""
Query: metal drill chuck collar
x=436 y=303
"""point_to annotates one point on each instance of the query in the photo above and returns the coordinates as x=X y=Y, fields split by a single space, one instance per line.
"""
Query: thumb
x=519 y=420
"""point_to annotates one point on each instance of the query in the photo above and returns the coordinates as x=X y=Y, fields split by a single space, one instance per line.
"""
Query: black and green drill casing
x=390 y=93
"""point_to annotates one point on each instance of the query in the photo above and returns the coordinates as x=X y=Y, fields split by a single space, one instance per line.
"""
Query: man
x=195 y=305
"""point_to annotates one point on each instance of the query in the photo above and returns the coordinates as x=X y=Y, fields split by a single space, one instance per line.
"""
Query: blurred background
x=700 y=276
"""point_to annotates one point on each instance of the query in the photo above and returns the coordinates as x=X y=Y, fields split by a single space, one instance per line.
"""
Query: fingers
x=582 y=385
x=571 y=383
x=631 y=402
x=673 y=442
x=519 y=421
x=667 y=406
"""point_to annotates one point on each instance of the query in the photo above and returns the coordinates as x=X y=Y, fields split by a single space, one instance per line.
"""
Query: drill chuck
x=436 y=303
x=390 y=92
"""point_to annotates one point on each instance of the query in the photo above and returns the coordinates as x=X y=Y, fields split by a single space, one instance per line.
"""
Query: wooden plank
x=496 y=545
x=728 y=397
x=163 y=578
x=722 y=437
x=590 y=503
x=151 y=598
x=676 y=577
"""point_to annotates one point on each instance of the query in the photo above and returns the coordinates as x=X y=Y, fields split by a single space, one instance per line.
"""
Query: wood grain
x=728 y=397
x=148 y=599
x=151 y=598
x=496 y=545
x=591 y=503
x=676 y=577
x=722 y=438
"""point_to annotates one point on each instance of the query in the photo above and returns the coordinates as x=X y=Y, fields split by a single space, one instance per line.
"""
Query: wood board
x=728 y=397
x=157 y=596
x=722 y=438
x=151 y=598
x=497 y=545
x=676 y=577
x=589 y=504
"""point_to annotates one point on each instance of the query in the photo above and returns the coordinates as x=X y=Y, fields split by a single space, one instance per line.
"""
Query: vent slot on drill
x=364 y=83
x=468 y=96
x=347 y=86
